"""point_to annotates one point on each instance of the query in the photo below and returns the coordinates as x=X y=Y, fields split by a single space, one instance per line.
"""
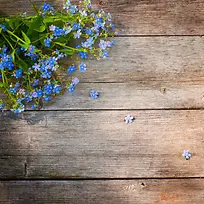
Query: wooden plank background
x=72 y=144
x=137 y=17
x=78 y=150
x=100 y=192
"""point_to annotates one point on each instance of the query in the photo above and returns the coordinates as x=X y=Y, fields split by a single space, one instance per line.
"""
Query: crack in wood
x=25 y=170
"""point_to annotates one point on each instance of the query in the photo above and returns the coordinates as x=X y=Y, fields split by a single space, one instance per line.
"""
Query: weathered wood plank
x=13 y=148
x=99 y=144
x=176 y=191
x=146 y=66
x=169 y=17
x=137 y=95
x=149 y=59
x=12 y=141
x=12 y=167
x=13 y=7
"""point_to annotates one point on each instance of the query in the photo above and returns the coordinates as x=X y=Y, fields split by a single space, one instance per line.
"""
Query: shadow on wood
x=13 y=150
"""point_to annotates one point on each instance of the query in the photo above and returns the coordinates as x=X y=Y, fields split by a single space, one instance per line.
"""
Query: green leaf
x=34 y=36
x=10 y=23
x=58 y=19
x=49 y=19
x=26 y=38
x=38 y=51
x=15 y=36
x=62 y=40
x=13 y=22
x=37 y=24
x=61 y=44
x=22 y=64
x=2 y=84
x=13 y=39
x=13 y=55
x=26 y=46
x=41 y=28
x=67 y=51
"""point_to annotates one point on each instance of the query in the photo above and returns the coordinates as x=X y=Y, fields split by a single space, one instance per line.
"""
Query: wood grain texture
x=137 y=17
x=147 y=73
x=12 y=141
x=13 y=7
x=147 y=17
x=13 y=148
x=176 y=191
x=148 y=59
x=12 y=167
x=98 y=144
x=136 y=95
x=141 y=73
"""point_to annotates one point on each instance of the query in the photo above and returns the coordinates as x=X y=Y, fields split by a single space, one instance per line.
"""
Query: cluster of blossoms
x=31 y=47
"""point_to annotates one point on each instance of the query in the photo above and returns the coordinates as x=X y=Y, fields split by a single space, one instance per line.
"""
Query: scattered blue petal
x=94 y=94
x=82 y=67
x=129 y=119
x=186 y=154
x=71 y=69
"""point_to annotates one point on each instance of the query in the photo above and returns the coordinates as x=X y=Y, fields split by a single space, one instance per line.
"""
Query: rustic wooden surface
x=91 y=192
x=98 y=144
x=148 y=59
x=128 y=96
x=147 y=73
x=138 y=17
x=79 y=150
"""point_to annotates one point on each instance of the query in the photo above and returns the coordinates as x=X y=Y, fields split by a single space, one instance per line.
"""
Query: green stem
x=65 y=46
x=38 y=39
x=4 y=78
x=17 y=27
x=7 y=41
x=15 y=36
x=28 y=84
x=2 y=74
x=68 y=47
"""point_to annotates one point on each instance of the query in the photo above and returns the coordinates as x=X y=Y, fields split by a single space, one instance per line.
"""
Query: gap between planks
x=99 y=179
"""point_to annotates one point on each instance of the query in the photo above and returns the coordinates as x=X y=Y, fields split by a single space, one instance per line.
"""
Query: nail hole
x=163 y=90
x=142 y=184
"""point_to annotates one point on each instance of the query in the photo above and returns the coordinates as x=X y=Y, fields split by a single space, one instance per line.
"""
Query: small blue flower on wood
x=129 y=119
x=82 y=67
x=71 y=69
x=73 y=84
x=186 y=154
x=94 y=94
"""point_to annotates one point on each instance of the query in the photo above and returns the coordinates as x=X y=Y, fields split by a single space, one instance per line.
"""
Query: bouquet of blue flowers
x=31 y=47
